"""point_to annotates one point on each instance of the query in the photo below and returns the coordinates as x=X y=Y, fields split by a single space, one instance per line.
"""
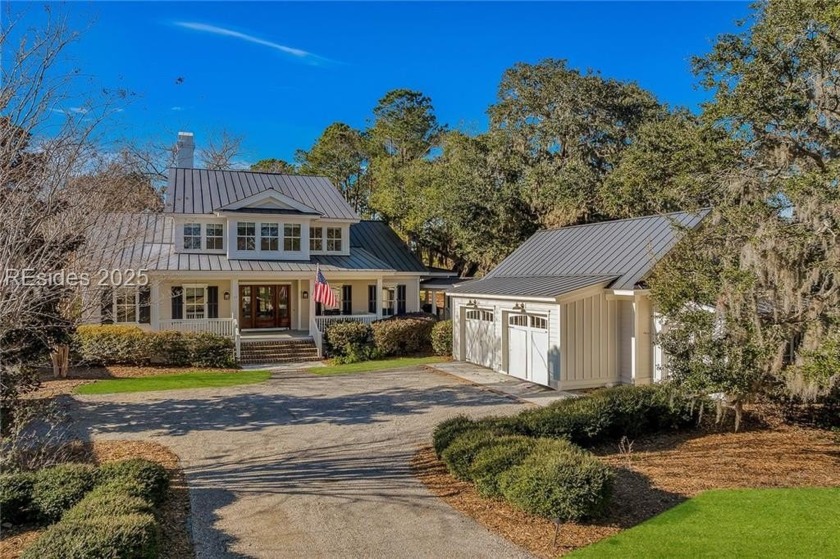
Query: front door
x=264 y=306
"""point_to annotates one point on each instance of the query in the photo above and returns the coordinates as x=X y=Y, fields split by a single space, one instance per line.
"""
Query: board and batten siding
x=590 y=342
x=627 y=327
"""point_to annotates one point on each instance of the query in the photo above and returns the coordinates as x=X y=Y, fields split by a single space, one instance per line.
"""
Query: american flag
x=323 y=294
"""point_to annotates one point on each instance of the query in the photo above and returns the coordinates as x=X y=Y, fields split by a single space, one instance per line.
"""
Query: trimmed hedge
x=149 y=477
x=494 y=459
x=448 y=430
x=109 y=499
x=118 y=344
x=349 y=341
x=16 y=497
x=58 y=488
x=609 y=414
x=442 y=337
x=129 y=536
x=459 y=455
x=558 y=481
x=403 y=335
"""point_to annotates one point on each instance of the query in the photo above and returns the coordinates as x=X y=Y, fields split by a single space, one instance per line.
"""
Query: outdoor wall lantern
x=305 y=295
x=227 y=295
x=519 y=307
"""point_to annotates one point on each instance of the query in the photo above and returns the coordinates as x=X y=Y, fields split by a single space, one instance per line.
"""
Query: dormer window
x=269 y=236
x=192 y=236
x=316 y=239
x=214 y=236
x=291 y=237
x=334 y=239
x=246 y=235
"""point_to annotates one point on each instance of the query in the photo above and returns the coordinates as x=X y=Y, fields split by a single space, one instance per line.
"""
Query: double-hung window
x=269 y=236
x=334 y=239
x=125 y=304
x=246 y=235
x=389 y=299
x=195 y=302
x=316 y=239
x=192 y=236
x=291 y=237
x=214 y=235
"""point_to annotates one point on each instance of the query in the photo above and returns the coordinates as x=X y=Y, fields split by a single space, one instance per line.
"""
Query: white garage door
x=480 y=337
x=528 y=347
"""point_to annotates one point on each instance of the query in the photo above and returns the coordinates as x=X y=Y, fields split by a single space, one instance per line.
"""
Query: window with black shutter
x=346 y=299
x=177 y=303
x=144 y=294
x=372 y=299
x=212 y=301
x=107 y=306
x=400 y=299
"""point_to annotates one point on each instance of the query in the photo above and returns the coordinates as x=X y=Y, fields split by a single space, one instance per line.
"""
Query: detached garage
x=569 y=308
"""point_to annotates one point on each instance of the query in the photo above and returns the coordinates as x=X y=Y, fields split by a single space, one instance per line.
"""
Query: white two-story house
x=236 y=252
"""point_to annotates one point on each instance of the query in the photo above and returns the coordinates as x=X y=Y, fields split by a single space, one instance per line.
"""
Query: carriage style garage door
x=480 y=337
x=528 y=347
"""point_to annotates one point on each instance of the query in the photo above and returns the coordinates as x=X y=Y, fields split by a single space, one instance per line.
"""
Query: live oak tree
x=767 y=261
x=275 y=166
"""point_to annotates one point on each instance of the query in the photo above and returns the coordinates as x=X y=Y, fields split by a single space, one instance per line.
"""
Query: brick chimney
x=185 y=151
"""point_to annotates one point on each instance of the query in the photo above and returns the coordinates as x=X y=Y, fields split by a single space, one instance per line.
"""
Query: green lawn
x=193 y=379
x=378 y=365
x=761 y=523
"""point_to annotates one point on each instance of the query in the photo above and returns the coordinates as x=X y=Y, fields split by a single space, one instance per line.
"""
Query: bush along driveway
x=309 y=466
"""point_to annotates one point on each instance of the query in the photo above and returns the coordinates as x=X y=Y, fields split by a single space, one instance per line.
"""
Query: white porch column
x=155 y=301
x=311 y=304
x=379 y=298
x=234 y=299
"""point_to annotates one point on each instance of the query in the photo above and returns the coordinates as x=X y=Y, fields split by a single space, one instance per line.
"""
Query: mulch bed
x=657 y=474
x=176 y=542
x=51 y=386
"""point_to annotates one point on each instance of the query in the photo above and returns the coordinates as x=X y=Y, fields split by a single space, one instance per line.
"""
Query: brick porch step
x=277 y=351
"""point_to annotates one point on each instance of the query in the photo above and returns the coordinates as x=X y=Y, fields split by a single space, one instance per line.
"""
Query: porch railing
x=321 y=322
x=317 y=336
x=220 y=326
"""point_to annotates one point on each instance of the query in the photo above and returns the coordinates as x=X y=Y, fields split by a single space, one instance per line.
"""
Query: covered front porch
x=273 y=308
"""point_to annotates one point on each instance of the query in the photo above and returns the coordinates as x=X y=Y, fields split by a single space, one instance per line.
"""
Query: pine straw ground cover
x=658 y=474
x=176 y=542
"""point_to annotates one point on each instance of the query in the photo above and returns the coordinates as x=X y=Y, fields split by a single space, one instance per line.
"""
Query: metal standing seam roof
x=380 y=240
x=533 y=286
x=147 y=241
x=626 y=248
x=202 y=191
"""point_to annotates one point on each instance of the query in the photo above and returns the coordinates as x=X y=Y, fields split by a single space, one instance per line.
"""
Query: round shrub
x=108 y=500
x=448 y=430
x=110 y=343
x=16 y=497
x=558 y=481
x=459 y=455
x=349 y=339
x=499 y=456
x=209 y=350
x=169 y=347
x=58 y=488
x=133 y=536
x=403 y=335
x=581 y=420
x=442 y=337
x=151 y=477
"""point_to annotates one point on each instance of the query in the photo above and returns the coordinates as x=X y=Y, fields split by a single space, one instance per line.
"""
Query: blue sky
x=279 y=73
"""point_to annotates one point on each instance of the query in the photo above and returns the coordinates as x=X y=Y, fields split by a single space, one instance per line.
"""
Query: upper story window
x=246 y=236
x=316 y=239
x=269 y=236
x=334 y=239
x=214 y=236
x=192 y=236
x=291 y=237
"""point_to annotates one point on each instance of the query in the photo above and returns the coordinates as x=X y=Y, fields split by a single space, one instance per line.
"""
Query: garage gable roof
x=625 y=250
x=547 y=287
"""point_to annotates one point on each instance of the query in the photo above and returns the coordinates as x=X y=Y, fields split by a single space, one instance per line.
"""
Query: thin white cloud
x=71 y=110
x=206 y=28
x=177 y=109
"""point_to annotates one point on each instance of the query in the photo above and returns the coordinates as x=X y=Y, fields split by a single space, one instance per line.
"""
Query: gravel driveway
x=309 y=466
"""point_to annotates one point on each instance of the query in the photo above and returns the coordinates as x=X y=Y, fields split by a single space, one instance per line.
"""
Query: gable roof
x=146 y=240
x=202 y=191
x=377 y=238
x=621 y=252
